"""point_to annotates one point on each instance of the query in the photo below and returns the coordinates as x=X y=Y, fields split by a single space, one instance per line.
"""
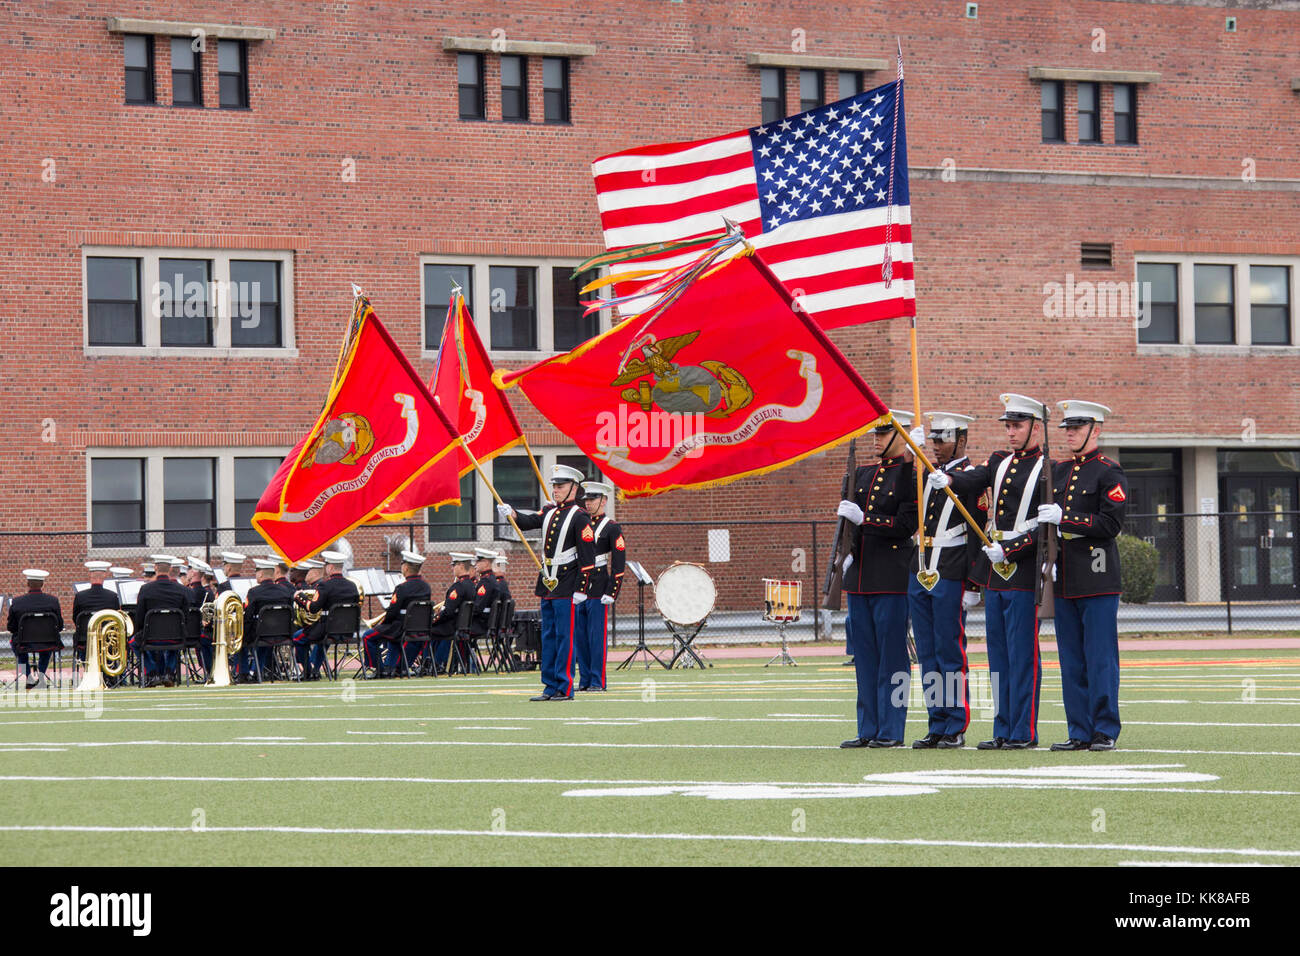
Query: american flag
x=812 y=192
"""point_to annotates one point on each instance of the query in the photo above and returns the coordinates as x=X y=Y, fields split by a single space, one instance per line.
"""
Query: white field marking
x=757 y=791
x=1182 y=723
x=601 y=723
x=425 y=743
x=691 y=837
x=32 y=750
x=1061 y=776
x=272 y=739
x=803 y=715
x=389 y=733
x=1187 y=863
x=494 y=727
x=1219 y=753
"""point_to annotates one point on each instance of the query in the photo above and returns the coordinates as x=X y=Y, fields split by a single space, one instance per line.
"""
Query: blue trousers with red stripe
x=590 y=621
x=878 y=639
x=557 y=646
x=1015 y=668
x=1087 y=639
x=939 y=626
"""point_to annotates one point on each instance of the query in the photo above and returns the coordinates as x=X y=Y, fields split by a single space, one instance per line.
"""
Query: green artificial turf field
x=733 y=765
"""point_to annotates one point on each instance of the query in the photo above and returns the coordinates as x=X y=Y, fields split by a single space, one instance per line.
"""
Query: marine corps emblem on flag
x=344 y=440
x=710 y=388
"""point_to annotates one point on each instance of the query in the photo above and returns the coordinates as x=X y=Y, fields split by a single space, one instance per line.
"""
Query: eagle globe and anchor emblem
x=345 y=440
x=713 y=389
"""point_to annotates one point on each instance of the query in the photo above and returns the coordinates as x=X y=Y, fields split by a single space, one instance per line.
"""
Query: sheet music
x=129 y=591
x=242 y=586
x=81 y=586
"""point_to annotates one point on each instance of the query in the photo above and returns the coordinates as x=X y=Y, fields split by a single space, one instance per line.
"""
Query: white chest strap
x=1022 y=511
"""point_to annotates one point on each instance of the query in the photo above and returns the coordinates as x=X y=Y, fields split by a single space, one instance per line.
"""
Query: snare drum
x=781 y=599
x=685 y=594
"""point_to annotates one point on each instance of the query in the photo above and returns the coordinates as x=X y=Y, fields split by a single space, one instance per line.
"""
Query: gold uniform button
x=1069 y=497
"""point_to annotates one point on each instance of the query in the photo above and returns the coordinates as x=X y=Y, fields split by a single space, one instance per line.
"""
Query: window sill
x=149 y=352
x=1222 y=351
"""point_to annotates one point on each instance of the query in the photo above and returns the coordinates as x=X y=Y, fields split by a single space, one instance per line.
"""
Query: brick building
x=1059 y=154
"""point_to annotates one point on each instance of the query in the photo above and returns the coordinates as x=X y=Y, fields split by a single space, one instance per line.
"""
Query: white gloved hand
x=607 y=599
x=579 y=597
x=970 y=598
x=995 y=553
x=1049 y=514
x=505 y=511
x=938 y=480
x=848 y=563
x=849 y=511
x=917 y=435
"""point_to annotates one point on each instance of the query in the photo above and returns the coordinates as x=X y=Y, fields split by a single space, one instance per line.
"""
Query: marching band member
x=499 y=570
x=1011 y=479
x=232 y=566
x=203 y=588
x=568 y=558
x=1090 y=492
x=485 y=590
x=282 y=574
x=161 y=593
x=459 y=591
x=265 y=592
x=92 y=599
x=381 y=640
x=875 y=578
x=936 y=594
x=35 y=600
x=334 y=589
x=146 y=571
x=591 y=622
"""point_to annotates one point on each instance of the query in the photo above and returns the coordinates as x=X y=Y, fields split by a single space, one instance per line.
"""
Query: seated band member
x=485 y=590
x=591 y=621
x=458 y=592
x=333 y=590
x=34 y=601
x=232 y=566
x=203 y=588
x=92 y=599
x=266 y=591
x=162 y=593
x=381 y=640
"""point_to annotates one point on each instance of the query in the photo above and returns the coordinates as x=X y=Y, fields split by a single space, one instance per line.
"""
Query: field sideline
x=733 y=765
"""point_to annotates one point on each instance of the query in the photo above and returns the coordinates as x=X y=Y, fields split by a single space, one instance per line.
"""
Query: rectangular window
x=850 y=83
x=1215 y=323
x=469 y=78
x=772 y=87
x=255 y=304
x=571 y=326
x=1053 y=96
x=439 y=280
x=1089 y=111
x=1158 y=298
x=514 y=308
x=582 y=463
x=555 y=89
x=187 y=81
x=812 y=90
x=456 y=523
x=232 y=73
x=189 y=499
x=116 y=502
x=113 y=301
x=252 y=475
x=517 y=486
x=1126 y=114
x=185 y=302
x=1270 y=305
x=138 y=51
x=514 y=89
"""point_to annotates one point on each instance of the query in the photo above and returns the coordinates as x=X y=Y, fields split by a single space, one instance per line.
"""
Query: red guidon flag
x=729 y=381
x=379 y=431
x=462 y=385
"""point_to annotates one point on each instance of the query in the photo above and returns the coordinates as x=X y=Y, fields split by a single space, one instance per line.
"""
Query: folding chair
x=79 y=641
x=273 y=628
x=189 y=655
x=417 y=626
x=163 y=630
x=38 y=632
x=342 y=627
x=460 y=639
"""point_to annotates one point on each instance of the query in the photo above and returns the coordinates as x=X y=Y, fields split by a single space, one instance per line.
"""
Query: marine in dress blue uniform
x=883 y=508
x=1091 y=495
x=591 y=623
x=381 y=641
x=162 y=593
x=458 y=593
x=34 y=601
x=332 y=590
x=1010 y=480
x=568 y=557
x=94 y=598
x=266 y=592
x=936 y=593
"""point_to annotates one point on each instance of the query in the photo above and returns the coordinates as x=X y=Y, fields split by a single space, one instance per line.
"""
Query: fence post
x=207 y=545
x=1225 y=556
x=816 y=576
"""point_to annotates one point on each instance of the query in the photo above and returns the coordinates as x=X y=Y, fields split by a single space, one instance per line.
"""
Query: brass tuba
x=228 y=635
x=301 y=616
x=106 y=637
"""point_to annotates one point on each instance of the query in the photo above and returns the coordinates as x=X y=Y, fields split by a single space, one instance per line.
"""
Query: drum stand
x=784 y=657
x=641 y=647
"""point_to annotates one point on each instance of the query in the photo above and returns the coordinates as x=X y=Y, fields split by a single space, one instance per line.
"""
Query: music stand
x=642 y=579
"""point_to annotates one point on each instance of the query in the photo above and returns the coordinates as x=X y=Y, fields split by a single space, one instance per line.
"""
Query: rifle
x=842 y=543
x=1044 y=590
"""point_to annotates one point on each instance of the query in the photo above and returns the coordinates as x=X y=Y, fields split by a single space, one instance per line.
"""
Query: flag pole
x=546 y=490
x=920 y=455
x=482 y=474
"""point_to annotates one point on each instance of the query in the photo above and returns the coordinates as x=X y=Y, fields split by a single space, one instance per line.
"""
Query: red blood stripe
x=695 y=206
x=604 y=642
x=654 y=175
x=1033 y=691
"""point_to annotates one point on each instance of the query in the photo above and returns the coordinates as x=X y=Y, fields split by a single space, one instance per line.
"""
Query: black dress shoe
x=561 y=697
x=880 y=743
x=848 y=663
x=1102 y=742
x=997 y=743
x=928 y=742
x=1070 y=744
x=1020 y=745
x=855 y=742
x=541 y=697
x=951 y=741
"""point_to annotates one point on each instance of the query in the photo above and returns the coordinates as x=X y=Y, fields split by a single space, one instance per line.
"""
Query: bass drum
x=685 y=594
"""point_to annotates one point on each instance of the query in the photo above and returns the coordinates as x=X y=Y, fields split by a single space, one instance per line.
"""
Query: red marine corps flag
x=462 y=386
x=729 y=380
x=379 y=431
